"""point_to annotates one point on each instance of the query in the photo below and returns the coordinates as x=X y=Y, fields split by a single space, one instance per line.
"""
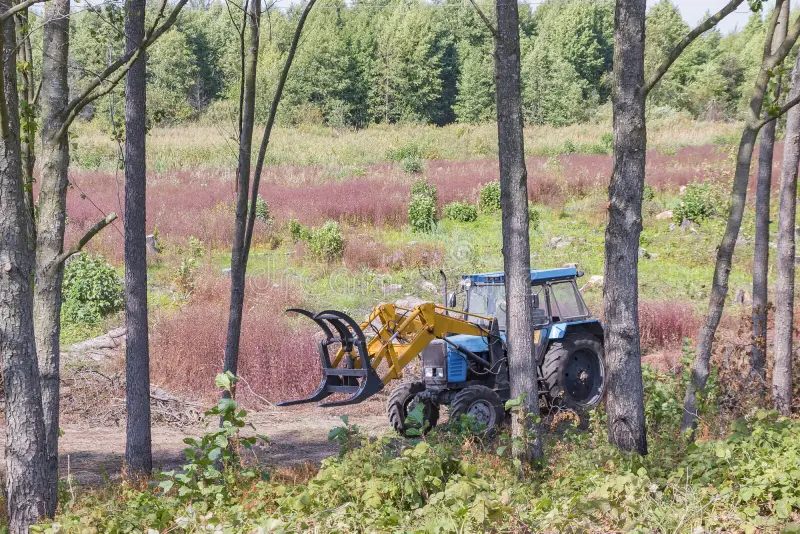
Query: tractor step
x=362 y=382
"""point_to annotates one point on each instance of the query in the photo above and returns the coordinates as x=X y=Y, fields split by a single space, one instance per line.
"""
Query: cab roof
x=538 y=275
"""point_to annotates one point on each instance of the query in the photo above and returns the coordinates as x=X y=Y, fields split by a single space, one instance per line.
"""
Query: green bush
x=298 y=232
x=412 y=165
x=92 y=290
x=327 y=242
x=534 y=218
x=700 y=201
x=490 y=197
x=422 y=213
x=422 y=207
x=649 y=193
x=262 y=210
x=461 y=211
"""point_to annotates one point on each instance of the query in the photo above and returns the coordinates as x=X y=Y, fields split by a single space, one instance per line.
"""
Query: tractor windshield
x=490 y=300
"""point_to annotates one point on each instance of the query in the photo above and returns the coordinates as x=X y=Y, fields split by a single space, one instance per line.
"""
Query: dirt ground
x=93 y=454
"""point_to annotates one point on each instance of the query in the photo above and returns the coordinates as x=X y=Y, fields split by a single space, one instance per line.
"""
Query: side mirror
x=451 y=301
x=536 y=302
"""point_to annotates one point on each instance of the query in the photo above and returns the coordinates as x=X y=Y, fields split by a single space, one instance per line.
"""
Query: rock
x=397 y=257
x=643 y=253
x=672 y=227
x=152 y=246
x=593 y=282
x=391 y=289
x=430 y=287
x=570 y=266
x=743 y=297
x=226 y=271
x=664 y=215
x=653 y=255
x=683 y=189
x=410 y=302
x=561 y=242
x=686 y=224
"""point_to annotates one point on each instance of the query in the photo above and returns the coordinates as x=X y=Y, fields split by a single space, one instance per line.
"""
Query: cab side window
x=565 y=301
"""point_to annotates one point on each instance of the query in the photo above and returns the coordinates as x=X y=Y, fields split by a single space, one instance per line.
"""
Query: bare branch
x=784 y=109
x=93 y=231
x=486 y=20
x=706 y=25
x=17 y=8
x=124 y=63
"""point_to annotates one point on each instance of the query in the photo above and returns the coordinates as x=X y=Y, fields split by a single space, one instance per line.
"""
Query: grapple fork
x=357 y=377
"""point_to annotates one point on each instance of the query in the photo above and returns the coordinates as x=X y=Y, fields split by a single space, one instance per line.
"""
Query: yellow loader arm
x=391 y=334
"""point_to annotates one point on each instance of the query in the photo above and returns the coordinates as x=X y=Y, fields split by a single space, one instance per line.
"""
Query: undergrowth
x=451 y=481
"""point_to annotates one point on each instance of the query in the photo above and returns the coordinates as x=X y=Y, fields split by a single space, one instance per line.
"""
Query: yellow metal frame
x=404 y=332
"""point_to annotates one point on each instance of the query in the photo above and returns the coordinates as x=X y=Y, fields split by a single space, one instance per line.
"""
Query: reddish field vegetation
x=277 y=357
x=199 y=203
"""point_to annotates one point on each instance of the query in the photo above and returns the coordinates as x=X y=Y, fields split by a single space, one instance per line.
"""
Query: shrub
x=196 y=248
x=490 y=197
x=534 y=218
x=327 y=242
x=422 y=214
x=648 y=193
x=422 y=208
x=461 y=211
x=92 y=290
x=298 y=231
x=700 y=201
x=412 y=165
x=425 y=188
x=262 y=210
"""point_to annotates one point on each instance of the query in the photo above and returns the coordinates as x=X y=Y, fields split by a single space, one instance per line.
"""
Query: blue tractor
x=463 y=351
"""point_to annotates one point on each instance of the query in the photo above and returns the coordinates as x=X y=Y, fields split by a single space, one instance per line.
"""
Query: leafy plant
x=215 y=469
x=92 y=290
x=196 y=248
x=346 y=435
x=327 y=241
x=262 y=210
x=534 y=218
x=700 y=201
x=298 y=232
x=412 y=165
x=461 y=211
x=422 y=207
x=490 y=198
x=648 y=193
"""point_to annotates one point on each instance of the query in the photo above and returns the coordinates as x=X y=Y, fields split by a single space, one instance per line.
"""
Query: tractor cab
x=554 y=292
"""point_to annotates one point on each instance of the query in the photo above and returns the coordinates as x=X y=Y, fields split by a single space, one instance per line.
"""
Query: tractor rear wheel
x=402 y=402
x=481 y=404
x=574 y=372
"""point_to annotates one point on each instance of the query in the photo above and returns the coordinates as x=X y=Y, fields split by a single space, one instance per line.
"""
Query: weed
x=92 y=289
x=461 y=212
x=490 y=198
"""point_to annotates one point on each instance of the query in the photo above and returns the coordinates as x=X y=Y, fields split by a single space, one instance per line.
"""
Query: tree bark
x=784 y=291
x=625 y=403
x=522 y=363
x=238 y=263
x=138 y=446
x=52 y=207
x=27 y=105
x=719 y=289
x=758 y=350
x=25 y=440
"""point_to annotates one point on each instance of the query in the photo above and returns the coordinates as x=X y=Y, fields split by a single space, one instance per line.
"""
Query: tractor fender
x=590 y=326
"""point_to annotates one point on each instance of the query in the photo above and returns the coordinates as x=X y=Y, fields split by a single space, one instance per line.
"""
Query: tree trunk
x=522 y=363
x=27 y=106
x=758 y=350
x=238 y=263
x=784 y=293
x=52 y=209
x=625 y=403
x=719 y=289
x=25 y=440
x=138 y=446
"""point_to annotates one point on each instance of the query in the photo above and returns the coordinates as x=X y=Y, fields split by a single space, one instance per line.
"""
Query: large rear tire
x=481 y=404
x=403 y=400
x=574 y=372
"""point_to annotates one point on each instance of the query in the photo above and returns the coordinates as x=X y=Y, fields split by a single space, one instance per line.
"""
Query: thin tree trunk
x=238 y=265
x=522 y=363
x=52 y=209
x=784 y=292
x=138 y=446
x=25 y=440
x=758 y=350
x=719 y=289
x=27 y=104
x=245 y=221
x=625 y=403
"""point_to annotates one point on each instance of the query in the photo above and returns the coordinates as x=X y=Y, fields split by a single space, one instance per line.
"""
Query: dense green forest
x=403 y=61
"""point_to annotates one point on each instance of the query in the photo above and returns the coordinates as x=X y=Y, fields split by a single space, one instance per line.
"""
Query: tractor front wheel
x=574 y=372
x=402 y=402
x=481 y=405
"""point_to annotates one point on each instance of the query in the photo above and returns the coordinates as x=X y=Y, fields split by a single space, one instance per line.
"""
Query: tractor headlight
x=434 y=372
